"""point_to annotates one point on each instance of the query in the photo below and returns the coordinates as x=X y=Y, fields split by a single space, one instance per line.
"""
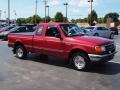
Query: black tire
x=5 y=38
x=96 y=34
x=44 y=57
x=111 y=36
x=21 y=52
x=84 y=59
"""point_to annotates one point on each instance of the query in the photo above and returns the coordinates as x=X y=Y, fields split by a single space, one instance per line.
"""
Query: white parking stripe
x=115 y=62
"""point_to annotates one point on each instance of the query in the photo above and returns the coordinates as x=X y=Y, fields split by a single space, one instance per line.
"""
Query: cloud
x=54 y=2
x=81 y=3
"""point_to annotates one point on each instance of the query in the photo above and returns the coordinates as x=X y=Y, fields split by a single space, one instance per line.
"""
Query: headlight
x=100 y=48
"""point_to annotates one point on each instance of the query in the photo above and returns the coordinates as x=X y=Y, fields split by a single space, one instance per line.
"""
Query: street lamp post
x=36 y=11
x=91 y=1
x=8 y=12
x=45 y=9
x=5 y=14
x=48 y=11
x=15 y=14
x=66 y=4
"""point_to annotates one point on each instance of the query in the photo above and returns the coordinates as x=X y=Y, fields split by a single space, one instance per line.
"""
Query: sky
x=76 y=8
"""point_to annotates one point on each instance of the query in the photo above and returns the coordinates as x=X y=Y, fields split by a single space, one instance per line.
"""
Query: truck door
x=53 y=43
x=38 y=41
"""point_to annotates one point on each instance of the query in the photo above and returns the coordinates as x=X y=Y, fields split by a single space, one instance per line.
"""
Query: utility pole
x=8 y=12
x=45 y=1
x=66 y=4
x=15 y=14
x=48 y=9
x=91 y=1
x=5 y=14
x=36 y=6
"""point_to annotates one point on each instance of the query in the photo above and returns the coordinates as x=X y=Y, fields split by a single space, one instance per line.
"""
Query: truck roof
x=53 y=23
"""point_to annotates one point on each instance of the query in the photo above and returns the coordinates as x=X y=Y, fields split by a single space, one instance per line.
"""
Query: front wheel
x=96 y=34
x=21 y=52
x=5 y=38
x=80 y=61
x=111 y=36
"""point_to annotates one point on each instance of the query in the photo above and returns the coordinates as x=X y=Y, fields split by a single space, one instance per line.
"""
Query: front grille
x=110 y=48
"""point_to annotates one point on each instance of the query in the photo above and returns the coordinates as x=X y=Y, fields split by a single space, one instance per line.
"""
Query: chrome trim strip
x=42 y=48
x=69 y=43
x=100 y=56
x=53 y=50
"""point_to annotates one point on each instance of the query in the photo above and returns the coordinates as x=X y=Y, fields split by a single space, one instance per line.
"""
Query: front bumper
x=101 y=58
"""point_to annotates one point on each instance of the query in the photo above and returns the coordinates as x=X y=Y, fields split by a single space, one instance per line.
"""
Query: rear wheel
x=21 y=52
x=80 y=61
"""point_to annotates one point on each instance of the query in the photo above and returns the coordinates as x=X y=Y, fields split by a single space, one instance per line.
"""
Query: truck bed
x=25 y=33
x=23 y=37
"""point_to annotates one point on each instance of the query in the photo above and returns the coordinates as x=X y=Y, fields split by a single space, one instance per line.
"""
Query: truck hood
x=92 y=40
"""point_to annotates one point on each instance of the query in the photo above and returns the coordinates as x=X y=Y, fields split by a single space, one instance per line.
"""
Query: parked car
x=82 y=30
x=6 y=29
x=99 y=31
x=16 y=29
x=65 y=41
x=3 y=25
x=31 y=27
x=114 y=30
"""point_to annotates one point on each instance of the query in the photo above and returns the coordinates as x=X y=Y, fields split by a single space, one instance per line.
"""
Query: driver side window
x=52 y=32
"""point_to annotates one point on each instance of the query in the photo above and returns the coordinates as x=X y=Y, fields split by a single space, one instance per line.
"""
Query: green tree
x=100 y=20
x=36 y=19
x=48 y=19
x=29 y=20
x=84 y=20
x=59 y=17
x=21 y=21
x=114 y=16
x=73 y=21
x=92 y=16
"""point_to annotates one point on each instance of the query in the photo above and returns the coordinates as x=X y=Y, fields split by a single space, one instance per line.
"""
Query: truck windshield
x=71 y=30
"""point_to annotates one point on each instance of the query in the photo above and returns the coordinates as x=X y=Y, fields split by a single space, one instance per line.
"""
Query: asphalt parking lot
x=35 y=73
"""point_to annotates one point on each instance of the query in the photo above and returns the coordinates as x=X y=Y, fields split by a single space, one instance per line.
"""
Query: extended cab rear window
x=39 y=31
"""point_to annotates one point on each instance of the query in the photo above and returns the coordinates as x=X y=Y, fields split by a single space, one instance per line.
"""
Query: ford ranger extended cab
x=63 y=40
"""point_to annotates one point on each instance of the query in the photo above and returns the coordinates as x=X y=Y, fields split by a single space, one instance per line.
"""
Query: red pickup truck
x=63 y=40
